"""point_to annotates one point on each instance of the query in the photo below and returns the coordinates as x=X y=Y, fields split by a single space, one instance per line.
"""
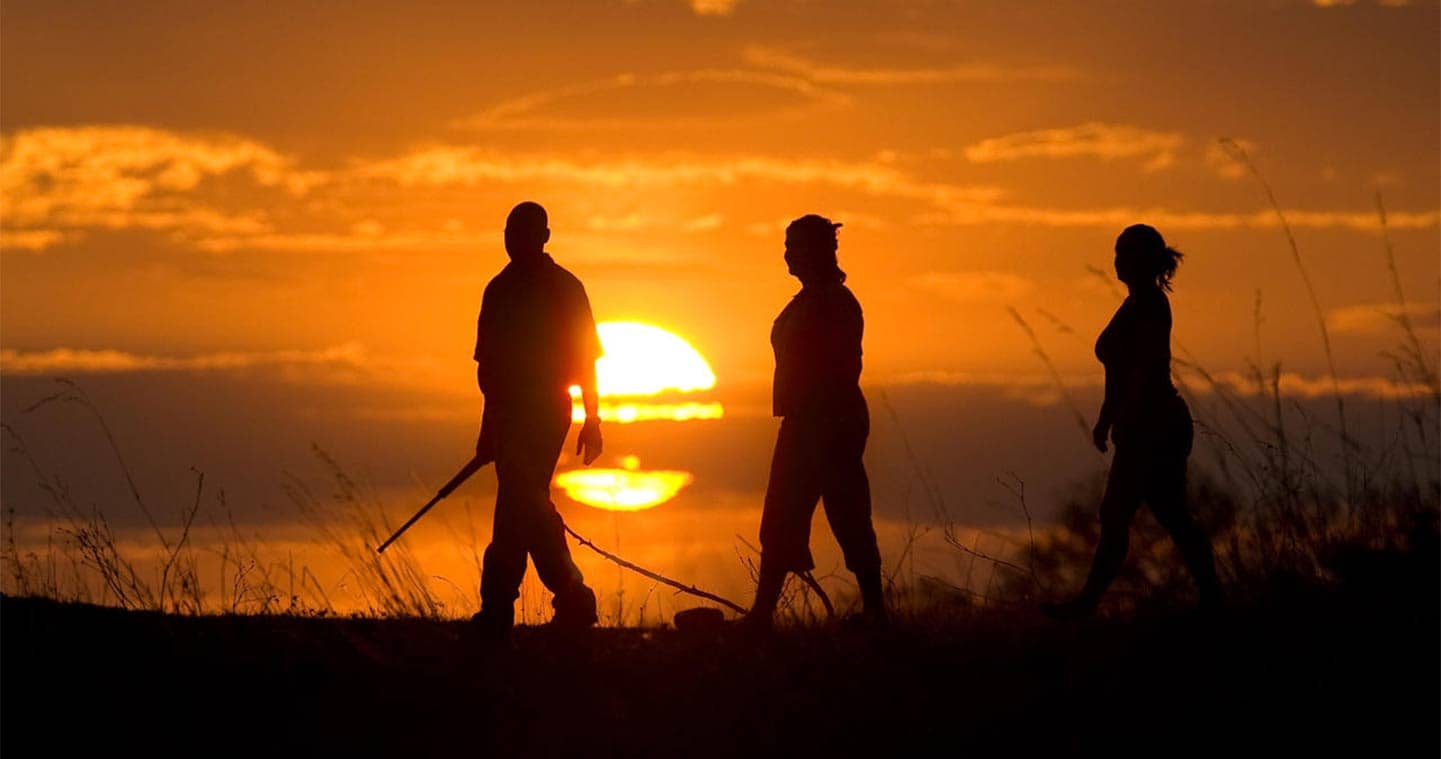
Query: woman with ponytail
x=824 y=425
x=1148 y=422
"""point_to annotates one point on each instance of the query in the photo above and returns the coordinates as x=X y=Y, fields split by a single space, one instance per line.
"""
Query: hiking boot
x=574 y=610
x=492 y=624
x=868 y=619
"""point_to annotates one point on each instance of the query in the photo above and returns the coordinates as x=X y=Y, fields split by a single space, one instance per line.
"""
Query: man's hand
x=588 y=444
x=1099 y=433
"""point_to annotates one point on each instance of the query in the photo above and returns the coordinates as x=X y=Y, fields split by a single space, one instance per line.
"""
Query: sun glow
x=642 y=360
x=625 y=489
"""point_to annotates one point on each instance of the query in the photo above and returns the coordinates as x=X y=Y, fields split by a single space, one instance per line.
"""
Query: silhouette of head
x=526 y=231
x=1144 y=259
x=811 y=249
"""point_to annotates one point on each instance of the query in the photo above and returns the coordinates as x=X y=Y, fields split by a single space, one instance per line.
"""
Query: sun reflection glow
x=626 y=489
x=625 y=413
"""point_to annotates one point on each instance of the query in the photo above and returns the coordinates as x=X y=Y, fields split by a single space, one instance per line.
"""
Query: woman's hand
x=1099 y=434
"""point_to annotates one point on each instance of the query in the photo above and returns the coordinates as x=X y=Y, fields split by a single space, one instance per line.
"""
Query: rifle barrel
x=471 y=467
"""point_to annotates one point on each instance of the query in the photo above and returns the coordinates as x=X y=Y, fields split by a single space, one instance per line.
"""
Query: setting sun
x=642 y=360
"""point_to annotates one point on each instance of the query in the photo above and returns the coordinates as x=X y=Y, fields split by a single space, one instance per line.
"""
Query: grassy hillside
x=1344 y=669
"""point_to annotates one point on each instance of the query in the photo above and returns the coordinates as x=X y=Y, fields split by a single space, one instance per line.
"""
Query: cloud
x=783 y=95
x=31 y=239
x=714 y=7
x=973 y=286
x=1120 y=216
x=465 y=166
x=81 y=361
x=139 y=178
x=969 y=72
x=1224 y=162
x=1345 y=3
x=338 y=243
x=1041 y=388
x=470 y=166
x=705 y=223
x=628 y=223
x=1382 y=318
x=1107 y=141
x=54 y=179
x=1300 y=386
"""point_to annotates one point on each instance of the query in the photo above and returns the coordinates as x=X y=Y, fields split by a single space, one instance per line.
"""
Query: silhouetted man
x=534 y=339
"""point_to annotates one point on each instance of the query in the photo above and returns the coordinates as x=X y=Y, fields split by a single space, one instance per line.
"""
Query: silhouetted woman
x=1147 y=420
x=816 y=392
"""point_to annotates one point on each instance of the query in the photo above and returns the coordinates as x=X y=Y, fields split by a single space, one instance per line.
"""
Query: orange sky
x=191 y=182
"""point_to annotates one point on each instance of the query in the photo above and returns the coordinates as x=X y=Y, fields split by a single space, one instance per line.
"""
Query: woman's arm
x=1102 y=430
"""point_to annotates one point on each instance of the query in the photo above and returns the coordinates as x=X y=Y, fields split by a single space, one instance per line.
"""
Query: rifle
x=471 y=467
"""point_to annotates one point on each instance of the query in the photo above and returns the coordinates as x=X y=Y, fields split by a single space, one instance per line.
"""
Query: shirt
x=817 y=344
x=535 y=335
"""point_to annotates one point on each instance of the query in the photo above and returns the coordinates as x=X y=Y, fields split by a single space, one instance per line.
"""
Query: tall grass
x=235 y=571
x=1288 y=498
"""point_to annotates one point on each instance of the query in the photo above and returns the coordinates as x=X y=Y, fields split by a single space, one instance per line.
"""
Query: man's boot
x=574 y=609
x=493 y=622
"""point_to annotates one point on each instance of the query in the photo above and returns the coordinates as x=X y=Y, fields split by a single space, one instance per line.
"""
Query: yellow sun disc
x=641 y=359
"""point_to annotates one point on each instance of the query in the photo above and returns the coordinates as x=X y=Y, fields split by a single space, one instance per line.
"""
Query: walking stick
x=471 y=467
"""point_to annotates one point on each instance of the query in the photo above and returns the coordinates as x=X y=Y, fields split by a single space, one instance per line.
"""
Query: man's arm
x=588 y=444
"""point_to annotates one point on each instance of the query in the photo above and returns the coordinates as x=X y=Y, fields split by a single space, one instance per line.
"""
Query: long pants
x=527 y=444
x=819 y=459
x=1150 y=468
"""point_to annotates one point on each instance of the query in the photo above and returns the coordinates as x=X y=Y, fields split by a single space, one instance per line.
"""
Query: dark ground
x=1328 y=674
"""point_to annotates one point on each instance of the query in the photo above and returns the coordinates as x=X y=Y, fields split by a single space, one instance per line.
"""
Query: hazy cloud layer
x=714 y=7
x=1094 y=139
x=966 y=72
x=58 y=183
x=58 y=361
x=595 y=105
x=118 y=177
x=1295 y=385
x=973 y=286
x=1381 y=318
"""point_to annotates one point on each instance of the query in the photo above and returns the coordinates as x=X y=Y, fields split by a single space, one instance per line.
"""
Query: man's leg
x=503 y=567
x=545 y=530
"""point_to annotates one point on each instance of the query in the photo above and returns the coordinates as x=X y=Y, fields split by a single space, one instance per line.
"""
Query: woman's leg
x=791 y=495
x=1166 y=494
x=1118 y=508
x=846 y=492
